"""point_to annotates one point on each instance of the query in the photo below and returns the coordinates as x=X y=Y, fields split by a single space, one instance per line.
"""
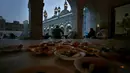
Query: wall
x=104 y=8
x=58 y=20
x=93 y=15
x=14 y=27
x=98 y=8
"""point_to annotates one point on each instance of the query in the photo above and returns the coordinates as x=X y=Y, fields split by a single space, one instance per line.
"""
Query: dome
x=63 y=12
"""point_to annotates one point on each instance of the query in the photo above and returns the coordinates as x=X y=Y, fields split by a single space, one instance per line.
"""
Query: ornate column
x=36 y=18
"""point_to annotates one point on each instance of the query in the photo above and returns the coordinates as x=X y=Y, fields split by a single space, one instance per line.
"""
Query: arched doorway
x=90 y=19
x=51 y=29
x=68 y=28
x=47 y=30
x=62 y=27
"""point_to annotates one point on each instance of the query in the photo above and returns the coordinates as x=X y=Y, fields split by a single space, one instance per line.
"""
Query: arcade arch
x=90 y=18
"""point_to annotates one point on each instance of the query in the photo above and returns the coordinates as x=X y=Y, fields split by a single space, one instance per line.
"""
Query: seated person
x=102 y=34
x=71 y=35
x=92 y=33
x=12 y=36
x=57 y=33
x=1 y=35
x=5 y=36
x=126 y=24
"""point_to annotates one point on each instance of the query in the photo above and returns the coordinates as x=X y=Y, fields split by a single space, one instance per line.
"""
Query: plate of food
x=67 y=42
x=92 y=65
x=49 y=43
x=41 y=50
x=11 y=48
x=75 y=44
x=90 y=49
x=69 y=54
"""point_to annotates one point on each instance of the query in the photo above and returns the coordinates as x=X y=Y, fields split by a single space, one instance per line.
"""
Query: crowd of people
x=8 y=36
x=58 y=33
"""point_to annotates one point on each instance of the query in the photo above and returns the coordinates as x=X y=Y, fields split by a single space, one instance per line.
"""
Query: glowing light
x=121 y=66
x=98 y=25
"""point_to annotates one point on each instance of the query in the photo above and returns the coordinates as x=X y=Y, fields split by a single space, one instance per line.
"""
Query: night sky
x=17 y=9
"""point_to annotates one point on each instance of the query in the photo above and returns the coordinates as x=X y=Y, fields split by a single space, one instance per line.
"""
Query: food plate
x=87 y=64
x=41 y=50
x=67 y=54
x=91 y=50
x=12 y=48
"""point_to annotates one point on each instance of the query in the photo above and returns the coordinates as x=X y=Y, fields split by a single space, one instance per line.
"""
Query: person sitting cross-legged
x=92 y=33
x=57 y=33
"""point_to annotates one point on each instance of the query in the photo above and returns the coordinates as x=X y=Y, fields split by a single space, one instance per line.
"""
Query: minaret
x=65 y=5
x=55 y=11
x=45 y=15
x=59 y=10
x=26 y=28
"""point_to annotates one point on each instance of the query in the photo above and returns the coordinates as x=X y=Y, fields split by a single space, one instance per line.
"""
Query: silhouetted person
x=57 y=33
x=92 y=33
x=12 y=36
x=126 y=23
x=5 y=36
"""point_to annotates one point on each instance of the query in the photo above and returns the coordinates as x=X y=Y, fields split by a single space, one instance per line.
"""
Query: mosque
x=62 y=18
